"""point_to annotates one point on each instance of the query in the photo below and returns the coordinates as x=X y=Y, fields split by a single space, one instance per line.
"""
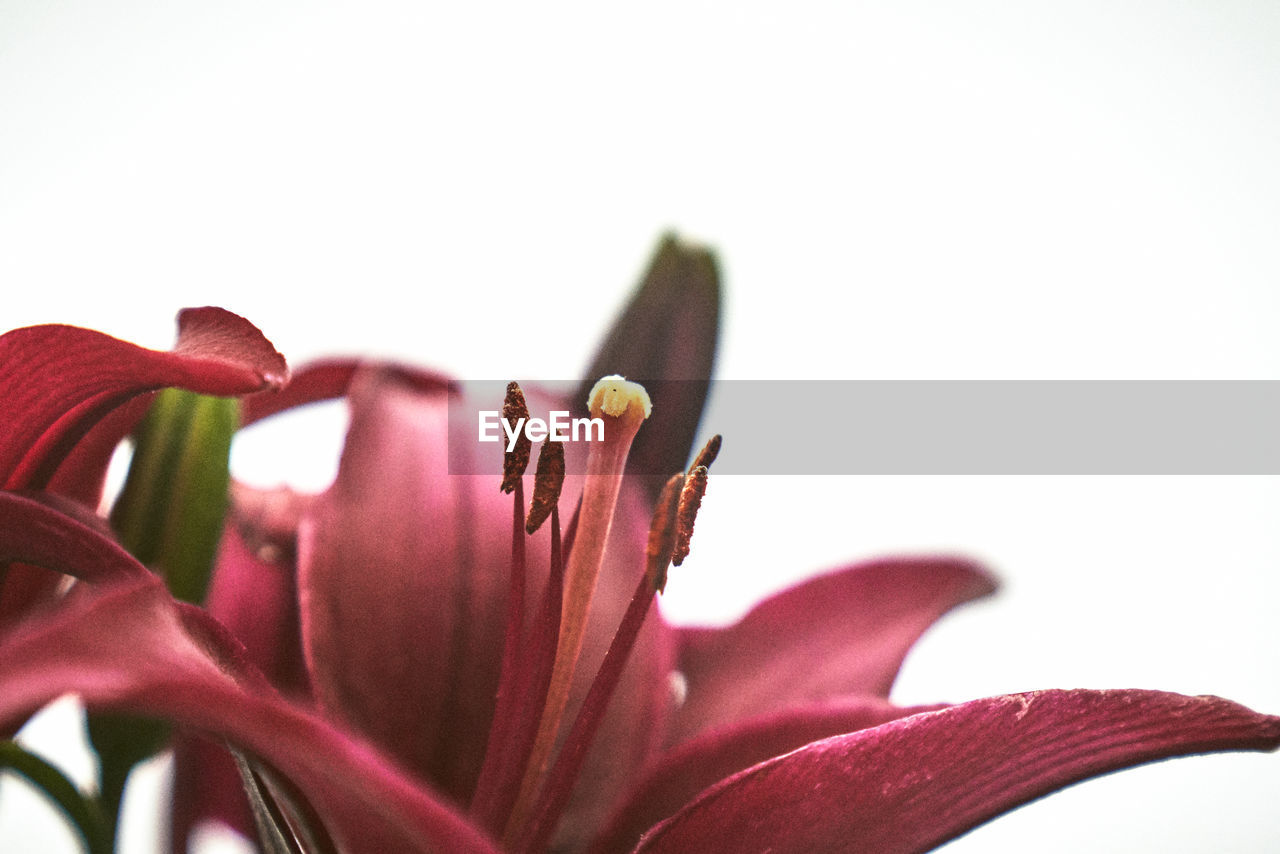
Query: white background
x=1021 y=190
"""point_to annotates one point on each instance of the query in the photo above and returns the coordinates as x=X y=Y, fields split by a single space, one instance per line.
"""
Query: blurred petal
x=327 y=379
x=665 y=339
x=912 y=784
x=845 y=633
x=133 y=648
x=42 y=532
x=206 y=787
x=256 y=600
x=681 y=774
x=402 y=586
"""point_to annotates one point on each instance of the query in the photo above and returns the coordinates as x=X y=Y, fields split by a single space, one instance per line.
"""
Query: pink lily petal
x=256 y=598
x=82 y=475
x=133 y=648
x=207 y=787
x=129 y=646
x=909 y=785
x=43 y=532
x=845 y=633
x=328 y=379
x=398 y=584
x=61 y=380
x=257 y=601
x=681 y=774
x=267 y=520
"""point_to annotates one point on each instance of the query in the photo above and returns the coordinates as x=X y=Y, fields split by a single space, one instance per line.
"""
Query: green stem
x=84 y=814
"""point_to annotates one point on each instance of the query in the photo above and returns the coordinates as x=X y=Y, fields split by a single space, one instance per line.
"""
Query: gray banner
x=1081 y=427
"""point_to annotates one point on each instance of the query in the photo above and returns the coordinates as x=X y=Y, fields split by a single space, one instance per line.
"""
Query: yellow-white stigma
x=614 y=395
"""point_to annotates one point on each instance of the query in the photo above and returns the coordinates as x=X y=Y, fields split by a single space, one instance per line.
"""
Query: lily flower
x=436 y=678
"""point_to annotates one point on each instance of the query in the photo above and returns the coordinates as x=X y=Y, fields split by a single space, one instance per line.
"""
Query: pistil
x=623 y=406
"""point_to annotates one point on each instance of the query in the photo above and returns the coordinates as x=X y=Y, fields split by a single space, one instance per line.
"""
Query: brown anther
x=695 y=486
x=662 y=532
x=548 y=479
x=516 y=461
x=708 y=454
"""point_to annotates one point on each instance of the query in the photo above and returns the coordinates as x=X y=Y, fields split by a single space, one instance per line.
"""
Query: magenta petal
x=61 y=380
x=256 y=600
x=328 y=379
x=912 y=784
x=207 y=787
x=83 y=473
x=841 y=634
x=681 y=774
x=34 y=531
x=402 y=580
x=132 y=648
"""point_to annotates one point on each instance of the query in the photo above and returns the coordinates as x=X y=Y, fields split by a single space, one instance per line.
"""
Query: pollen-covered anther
x=663 y=532
x=708 y=454
x=515 y=461
x=695 y=486
x=617 y=397
x=548 y=480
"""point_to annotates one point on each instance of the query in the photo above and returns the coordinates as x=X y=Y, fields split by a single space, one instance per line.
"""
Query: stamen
x=555 y=795
x=708 y=454
x=623 y=406
x=691 y=497
x=511 y=736
x=514 y=462
x=508 y=699
x=663 y=530
x=690 y=500
x=547 y=483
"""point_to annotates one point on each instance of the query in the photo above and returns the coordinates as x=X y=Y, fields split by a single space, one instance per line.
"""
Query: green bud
x=170 y=512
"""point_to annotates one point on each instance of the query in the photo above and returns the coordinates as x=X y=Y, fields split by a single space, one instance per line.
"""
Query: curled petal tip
x=221 y=335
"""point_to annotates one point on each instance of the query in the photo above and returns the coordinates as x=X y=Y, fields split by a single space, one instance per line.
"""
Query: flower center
x=517 y=796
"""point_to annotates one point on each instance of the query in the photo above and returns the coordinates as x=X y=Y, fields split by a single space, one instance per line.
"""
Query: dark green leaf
x=83 y=813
